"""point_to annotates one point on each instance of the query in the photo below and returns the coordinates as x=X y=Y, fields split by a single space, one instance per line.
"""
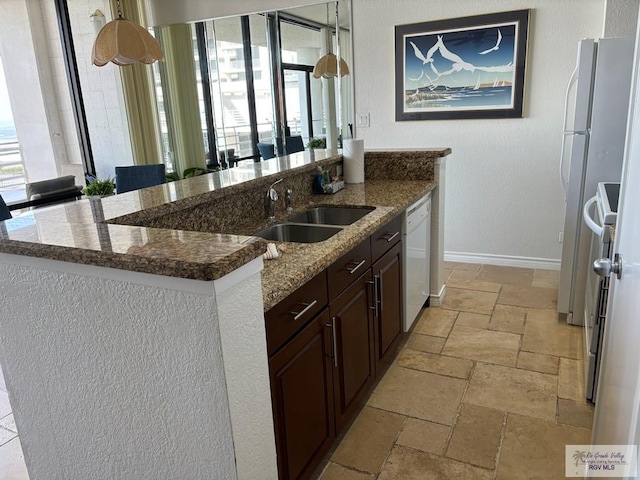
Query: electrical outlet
x=362 y=119
x=560 y=237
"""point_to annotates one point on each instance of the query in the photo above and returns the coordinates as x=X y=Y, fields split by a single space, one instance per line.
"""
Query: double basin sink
x=314 y=225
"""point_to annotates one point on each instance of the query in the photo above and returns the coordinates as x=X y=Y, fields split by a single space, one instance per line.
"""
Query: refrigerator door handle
x=565 y=132
x=572 y=81
x=593 y=226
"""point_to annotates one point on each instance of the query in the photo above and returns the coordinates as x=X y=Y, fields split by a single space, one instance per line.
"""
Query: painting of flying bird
x=471 y=67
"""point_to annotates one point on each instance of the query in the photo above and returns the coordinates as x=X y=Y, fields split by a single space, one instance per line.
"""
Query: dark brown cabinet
x=302 y=399
x=387 y=274
x=354 y=360
x=324 y=360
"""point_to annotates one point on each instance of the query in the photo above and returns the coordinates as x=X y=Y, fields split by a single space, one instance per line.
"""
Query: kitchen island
x=134 y=324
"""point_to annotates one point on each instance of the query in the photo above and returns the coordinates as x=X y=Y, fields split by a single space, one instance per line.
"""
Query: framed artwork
x=471 y=67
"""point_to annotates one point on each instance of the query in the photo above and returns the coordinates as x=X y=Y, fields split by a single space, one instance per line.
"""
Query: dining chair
x=53 y=190
x=266 y=150
x=136 y=177
x=293 y=144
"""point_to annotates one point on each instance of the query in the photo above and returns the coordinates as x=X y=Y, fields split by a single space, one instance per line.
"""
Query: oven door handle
x=593 y=226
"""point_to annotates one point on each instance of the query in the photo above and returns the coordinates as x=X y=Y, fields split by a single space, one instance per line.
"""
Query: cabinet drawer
x=344 y=271
x=292 y=313
x=386 y=237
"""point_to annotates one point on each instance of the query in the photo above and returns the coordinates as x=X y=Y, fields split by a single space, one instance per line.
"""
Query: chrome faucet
x=270 y=199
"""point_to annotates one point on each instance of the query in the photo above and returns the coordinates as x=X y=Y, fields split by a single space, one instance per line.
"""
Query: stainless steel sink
x=331 y=215
x=291 y=232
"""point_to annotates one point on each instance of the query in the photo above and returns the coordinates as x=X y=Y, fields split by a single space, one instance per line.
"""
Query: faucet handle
x=287 y=199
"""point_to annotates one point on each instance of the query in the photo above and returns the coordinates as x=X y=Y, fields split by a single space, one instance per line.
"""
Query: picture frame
x=469 y=67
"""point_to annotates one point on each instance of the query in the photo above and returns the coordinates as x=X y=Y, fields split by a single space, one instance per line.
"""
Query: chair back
x=5 y=214
x=64 y=187
x=136 y=177
x=266 y=150
x=293 y=144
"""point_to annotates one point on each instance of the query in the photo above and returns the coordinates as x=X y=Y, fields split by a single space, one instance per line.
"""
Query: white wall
x=169 y=11
x=620 y=18
x=503 y=194
x=114 y=374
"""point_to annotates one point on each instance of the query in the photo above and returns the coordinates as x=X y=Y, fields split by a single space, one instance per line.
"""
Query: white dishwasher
x=416 y=249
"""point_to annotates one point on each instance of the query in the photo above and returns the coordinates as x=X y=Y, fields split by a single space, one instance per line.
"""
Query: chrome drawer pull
x=353 y=270
x=392 y=236
x=307 y=307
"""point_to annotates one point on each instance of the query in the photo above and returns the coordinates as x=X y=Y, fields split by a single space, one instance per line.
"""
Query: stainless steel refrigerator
x=596 y=110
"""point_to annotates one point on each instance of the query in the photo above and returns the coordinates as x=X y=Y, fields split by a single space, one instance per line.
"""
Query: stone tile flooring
x=489 y=386
x=12 y=465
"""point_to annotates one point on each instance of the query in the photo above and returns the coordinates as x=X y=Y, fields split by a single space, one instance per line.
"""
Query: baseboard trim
x=436 y=300
x=503 y=260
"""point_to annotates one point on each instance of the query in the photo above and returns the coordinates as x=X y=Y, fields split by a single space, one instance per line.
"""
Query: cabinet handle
x=390 y=237
x=307 y=307
x=375 y=297
x=330 y=327
x=380 y=295
x=353 y=270
x=335 y=342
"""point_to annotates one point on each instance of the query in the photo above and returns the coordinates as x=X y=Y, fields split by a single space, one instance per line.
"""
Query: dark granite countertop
x=300 y=262
x=86 y=232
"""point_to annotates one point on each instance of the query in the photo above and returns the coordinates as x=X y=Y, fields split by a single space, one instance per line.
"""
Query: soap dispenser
x=318 y=181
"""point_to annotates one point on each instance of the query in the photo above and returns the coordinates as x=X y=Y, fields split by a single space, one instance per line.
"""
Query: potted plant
x=317 y=143
x=99 y=188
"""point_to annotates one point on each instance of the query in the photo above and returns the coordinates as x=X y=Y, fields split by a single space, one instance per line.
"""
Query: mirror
x=226 y=87
x=124 y=129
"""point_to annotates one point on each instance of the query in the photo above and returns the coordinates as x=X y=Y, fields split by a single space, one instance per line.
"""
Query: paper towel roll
x=353 y=159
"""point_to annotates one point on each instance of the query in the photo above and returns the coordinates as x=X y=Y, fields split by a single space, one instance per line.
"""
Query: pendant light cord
x=328 y=36
x=119 y=8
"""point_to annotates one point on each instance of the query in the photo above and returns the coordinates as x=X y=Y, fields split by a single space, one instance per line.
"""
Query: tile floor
x=489 y=386
x=12 y=465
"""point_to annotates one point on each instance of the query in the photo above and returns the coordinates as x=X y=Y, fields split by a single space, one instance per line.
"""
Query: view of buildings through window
x=245 y=102
x=11 y=168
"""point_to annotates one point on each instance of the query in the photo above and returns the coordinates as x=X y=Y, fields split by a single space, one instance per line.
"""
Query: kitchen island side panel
x=114 y=374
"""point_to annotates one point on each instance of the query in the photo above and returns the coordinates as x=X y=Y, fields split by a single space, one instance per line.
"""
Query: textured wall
x=503 y=193
x=116 y=377
x=244 y=349
x=620 y=18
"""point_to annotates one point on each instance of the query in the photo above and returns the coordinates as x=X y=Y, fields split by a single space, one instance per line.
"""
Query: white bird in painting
x=417 y=79
x=458 y=62
x=495 y=47
x=430 y=52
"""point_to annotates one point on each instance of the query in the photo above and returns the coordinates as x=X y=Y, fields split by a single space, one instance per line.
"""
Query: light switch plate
x=362 y=119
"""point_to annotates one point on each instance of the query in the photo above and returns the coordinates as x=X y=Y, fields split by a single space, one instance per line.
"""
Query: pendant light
x=123 y=43
x=327 y=65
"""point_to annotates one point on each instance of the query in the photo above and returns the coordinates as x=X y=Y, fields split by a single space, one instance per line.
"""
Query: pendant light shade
x=123 y=43
x=327 y=67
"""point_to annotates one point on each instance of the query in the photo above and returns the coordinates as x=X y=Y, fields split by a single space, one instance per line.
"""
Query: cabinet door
x=302 y=399
x=388 y=313
x=354 y=361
